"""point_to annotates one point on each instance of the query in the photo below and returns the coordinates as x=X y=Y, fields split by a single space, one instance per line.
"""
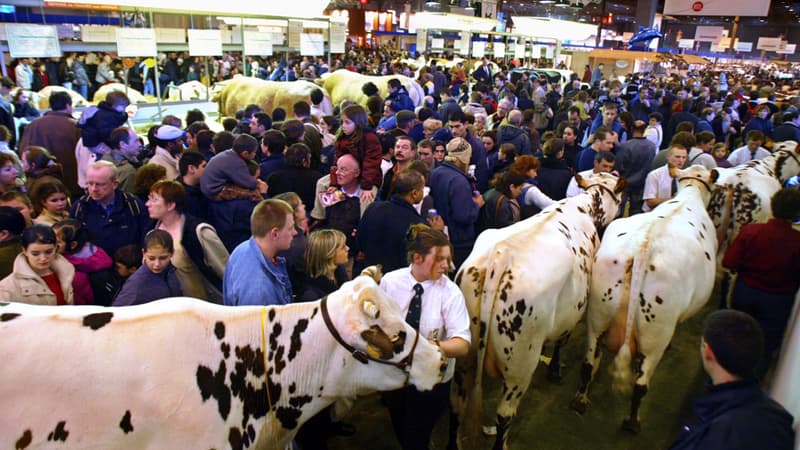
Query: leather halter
x=697 y=179
x=362 y=357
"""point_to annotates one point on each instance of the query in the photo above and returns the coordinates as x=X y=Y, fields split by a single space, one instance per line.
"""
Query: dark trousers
x=772 y=311
x=414 y=414
x=634 y=198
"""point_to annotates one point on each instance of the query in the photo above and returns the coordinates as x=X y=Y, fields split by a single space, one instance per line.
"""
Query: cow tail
x=621 y=371
x=492 y=280
x=726 y=211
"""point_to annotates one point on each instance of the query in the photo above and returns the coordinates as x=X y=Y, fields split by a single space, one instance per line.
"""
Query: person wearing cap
x=168 y=149
x=453 y=197
x=737 y=413
x=458 y=127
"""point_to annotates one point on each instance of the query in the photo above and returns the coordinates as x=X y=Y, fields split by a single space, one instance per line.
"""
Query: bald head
x=515 y=117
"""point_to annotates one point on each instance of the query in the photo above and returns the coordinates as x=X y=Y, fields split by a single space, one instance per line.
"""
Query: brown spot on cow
x=24 y=441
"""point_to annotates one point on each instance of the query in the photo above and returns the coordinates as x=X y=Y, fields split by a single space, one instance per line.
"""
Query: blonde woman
x=429 y=126
x=325 y=253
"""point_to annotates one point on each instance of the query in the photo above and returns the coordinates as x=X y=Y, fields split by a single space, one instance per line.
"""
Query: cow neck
x=360 y=356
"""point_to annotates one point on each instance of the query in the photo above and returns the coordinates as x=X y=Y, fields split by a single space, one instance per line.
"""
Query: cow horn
x=370 y=309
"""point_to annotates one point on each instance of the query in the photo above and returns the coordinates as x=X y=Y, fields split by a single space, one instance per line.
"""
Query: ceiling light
x=547 y=2
x=562 y=3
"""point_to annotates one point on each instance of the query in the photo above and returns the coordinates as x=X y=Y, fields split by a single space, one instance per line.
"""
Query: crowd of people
x=286 y=206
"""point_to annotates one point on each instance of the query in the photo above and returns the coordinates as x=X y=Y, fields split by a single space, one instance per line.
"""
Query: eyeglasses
x=344 y=170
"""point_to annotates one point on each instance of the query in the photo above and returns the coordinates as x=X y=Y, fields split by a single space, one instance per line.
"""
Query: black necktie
x=674 y=189
x=415 y=308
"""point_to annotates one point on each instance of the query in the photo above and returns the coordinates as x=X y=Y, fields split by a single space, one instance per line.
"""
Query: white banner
x=463 y=45
x=257 y=43
x=686 y=43
x=312 y=44
x=171 y=35
x=743 y=46
x=478 y=49
x=708 y=34
x=499 y=49
x=97 y=33
x=769 y=44
x=338 y=37
x=205 y=42
x=789 y=50
x=295 y=30
x=132 y=42
x=32 y=41
x=422 y=42
x=716 y=7
x=437 y=43
x=519 y=49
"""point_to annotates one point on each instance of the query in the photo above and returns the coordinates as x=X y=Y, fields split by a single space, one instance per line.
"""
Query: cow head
x=697 y=176
x=371 y=322
x=606 y=190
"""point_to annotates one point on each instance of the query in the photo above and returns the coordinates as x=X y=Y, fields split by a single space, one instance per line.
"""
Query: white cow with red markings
x=651 y=272
x=525 y=285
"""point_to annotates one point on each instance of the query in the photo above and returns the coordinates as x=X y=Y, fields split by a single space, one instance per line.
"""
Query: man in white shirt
x=603 y=162
x=24 y=74
x=753 y=150
x=659 y=186
x=654 y=133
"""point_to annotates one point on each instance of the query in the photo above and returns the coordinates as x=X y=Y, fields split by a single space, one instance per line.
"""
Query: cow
x=745 y=198
x=42 y=99
x=652 y=271
x=525 y=285
x=346 y=85
x=133 y=95
x=236 y=94
x=190 y=90
x=181 y=373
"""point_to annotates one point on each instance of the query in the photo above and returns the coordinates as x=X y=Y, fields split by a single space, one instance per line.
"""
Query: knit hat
x=442 y=134
x=459 y=149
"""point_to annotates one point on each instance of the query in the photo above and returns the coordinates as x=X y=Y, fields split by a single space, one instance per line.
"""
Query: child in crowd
x=88 y=259
x=720 y=152
x=156 y=278
x=19 y=201
x=50 y=202
x=234 y=192
x=228 y=171
x=108 y=283
x=96 y=124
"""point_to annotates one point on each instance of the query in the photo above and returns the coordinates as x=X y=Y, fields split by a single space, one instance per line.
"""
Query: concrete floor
x=544 y=420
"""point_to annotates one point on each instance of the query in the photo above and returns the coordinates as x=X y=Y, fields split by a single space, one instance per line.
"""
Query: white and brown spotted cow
x=525 y=285
x=346 y=85
x=745 y=197
x=180 y=373
x=239 y=92
x=652 y=271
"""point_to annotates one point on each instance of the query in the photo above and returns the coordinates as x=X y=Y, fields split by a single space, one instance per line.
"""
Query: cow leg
x=589 y=367
x=554 y=368
x=462 y=387
x=645 y=364
x=517 y=377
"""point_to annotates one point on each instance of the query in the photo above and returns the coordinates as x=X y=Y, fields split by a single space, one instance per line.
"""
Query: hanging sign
x=205 y=42
x=339 y=37
x=478 y=49
x=32 y=41
x=312 y=44
x=295 y=30
x=422 y=41
x=519 y=49
x=257 y=43
x=499 y=49
x=133 y=42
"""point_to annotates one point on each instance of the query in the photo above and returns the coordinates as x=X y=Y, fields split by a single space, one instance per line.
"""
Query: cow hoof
x=579 y=405
x=631 y=426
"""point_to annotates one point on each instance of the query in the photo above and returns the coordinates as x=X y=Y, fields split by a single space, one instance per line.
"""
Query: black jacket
x=553 y=178
x=737 y=415
x=382 y=233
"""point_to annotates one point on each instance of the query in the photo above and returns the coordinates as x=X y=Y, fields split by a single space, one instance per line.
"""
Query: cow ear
x=622 y=183
x=581 y=181
x=714 y=175
x=375 y=272
x=673 y=172
x=370 y=309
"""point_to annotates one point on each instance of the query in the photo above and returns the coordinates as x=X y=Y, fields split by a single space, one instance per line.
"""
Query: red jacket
x=368 y=153
x=767 y=256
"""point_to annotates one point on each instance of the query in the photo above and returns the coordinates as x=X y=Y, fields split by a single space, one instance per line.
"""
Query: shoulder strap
x=695 y=157
x=132 y=204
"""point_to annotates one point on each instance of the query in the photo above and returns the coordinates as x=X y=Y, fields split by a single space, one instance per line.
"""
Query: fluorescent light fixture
x=310 y=8
x=562 y=4
x=547 y=2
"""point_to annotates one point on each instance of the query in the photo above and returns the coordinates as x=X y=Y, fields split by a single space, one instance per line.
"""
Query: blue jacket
x=401 y=100
x=479 y=159
x=144 y=286
x=126 y=221
x=452 y=197
x=225 y=168
x=737 y=415
x=231 y=219
x=252 y=280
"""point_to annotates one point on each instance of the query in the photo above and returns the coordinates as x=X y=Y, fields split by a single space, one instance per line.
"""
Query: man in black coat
x=737 y=413
x=789 y=130
x=382 y=231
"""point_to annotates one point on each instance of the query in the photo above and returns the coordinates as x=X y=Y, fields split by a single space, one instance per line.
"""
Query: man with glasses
x=113 y=217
